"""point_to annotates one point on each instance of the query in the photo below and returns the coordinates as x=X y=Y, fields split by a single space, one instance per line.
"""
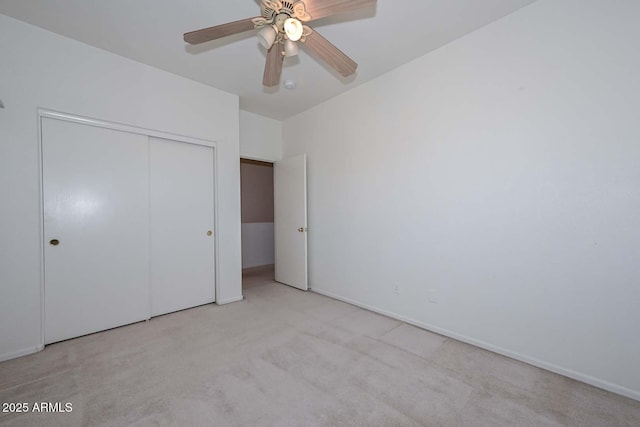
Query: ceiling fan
x=281 y=27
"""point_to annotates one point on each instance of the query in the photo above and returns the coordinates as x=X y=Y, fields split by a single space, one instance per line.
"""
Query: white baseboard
x=230 y=300
x=24 y=352
x=605 y=385
x=258 y=269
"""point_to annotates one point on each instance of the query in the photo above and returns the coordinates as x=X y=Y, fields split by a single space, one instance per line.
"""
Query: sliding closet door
x=96 y=228
x=182 y=241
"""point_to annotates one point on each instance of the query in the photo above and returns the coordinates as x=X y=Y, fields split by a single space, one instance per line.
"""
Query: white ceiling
x=150 y=31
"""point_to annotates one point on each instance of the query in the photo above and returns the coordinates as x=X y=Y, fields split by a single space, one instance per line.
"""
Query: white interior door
x=96 y=216
x=290 y=215
x=182 y=219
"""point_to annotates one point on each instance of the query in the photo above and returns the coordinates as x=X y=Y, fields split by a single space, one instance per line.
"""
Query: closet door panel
x=182 y=220
x=96 y=228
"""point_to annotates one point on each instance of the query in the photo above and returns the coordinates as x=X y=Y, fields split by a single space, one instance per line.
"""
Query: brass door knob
x=301 y=229
x=209 y=233
x=54 y=242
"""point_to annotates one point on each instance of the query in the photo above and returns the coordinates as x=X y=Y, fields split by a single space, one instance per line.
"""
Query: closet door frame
x=73 y=118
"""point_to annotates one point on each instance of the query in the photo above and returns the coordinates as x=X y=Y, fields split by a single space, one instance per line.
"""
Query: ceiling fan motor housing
x=270 y=9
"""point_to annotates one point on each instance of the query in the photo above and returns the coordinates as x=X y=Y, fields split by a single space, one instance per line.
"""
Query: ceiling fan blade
x=322 y=8
x=330 y=54
x=273 y=67
x=219 y=31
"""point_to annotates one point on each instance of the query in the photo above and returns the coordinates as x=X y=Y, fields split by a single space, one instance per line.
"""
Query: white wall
x=258 y=246
x=40 y=69
x=260 y=137
x=500 y=176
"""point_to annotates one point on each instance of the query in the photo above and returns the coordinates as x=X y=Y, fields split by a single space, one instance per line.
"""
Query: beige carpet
x=284 y=357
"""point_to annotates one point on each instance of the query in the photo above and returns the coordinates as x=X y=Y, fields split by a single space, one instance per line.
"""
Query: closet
x=128 y=227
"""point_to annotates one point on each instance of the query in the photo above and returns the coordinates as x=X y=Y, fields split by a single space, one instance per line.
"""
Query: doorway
x=257 y=214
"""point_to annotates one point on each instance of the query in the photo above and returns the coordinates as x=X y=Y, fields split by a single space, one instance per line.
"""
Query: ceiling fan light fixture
x=291 y=48
x=281 y=21
x=267 y=36
x=293 y=29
